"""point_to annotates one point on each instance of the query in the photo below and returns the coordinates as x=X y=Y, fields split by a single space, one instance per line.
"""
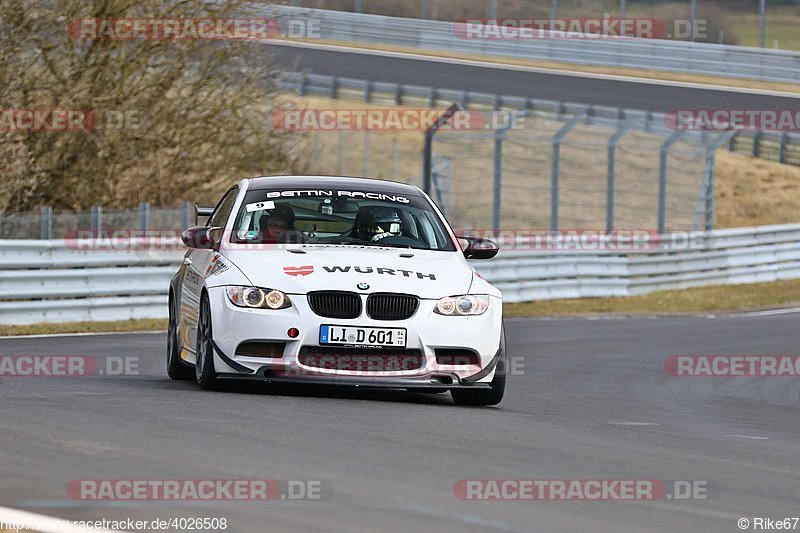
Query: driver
x=376 y=223
x=280 y=225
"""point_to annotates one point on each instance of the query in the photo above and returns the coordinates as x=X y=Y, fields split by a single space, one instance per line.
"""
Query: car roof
x=333 y=182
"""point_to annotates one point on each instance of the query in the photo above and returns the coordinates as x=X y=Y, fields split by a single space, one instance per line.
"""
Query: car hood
x=301 y=269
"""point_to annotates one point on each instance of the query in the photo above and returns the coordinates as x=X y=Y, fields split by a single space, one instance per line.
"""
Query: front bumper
x=426 y=331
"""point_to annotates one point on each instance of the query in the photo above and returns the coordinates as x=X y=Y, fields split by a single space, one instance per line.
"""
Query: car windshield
x=341 y=217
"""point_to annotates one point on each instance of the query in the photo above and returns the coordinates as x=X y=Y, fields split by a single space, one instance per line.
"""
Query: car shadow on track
x=337 y=392
x=306 y=391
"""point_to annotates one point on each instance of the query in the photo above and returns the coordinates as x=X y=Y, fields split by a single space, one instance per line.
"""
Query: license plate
x=357 y=336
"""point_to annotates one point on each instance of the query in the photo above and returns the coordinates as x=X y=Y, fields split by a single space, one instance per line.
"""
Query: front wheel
x=176 y=369
x=204 y=366
x=492 y=396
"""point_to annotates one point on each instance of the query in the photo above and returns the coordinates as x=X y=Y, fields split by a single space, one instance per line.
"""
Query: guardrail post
x=497 y=203
x=711 y=167
x=464 y=100
x=555 y=175
x=394 y=158
x=334 y=88
x=398 y=94
x=46 y=222
x=366 y=152
x=186 y=215
x=432 y=97
x=367 y=90
x=96 y=216
x=662 y=180
x=491 y=9
x=732 y=141
x=757 y=143
x=427 y=149
x=341 y=152
x=426 y=9
x=144 y=216
x=301 y=88
x=782 y=149
x=611 y=177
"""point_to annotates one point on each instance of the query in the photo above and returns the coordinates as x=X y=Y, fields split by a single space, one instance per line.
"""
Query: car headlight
x=257 y=298
x=465 y=305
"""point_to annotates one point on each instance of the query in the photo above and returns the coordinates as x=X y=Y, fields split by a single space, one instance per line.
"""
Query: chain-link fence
x=578 y=171
x=50 y=223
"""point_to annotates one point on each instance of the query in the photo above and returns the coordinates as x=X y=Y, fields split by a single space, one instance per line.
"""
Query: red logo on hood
x=299 y=271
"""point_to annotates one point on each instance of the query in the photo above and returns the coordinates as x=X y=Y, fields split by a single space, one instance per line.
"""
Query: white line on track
x=748 y=437
x=539 y=70
x=746 y=314
x=83 y=334
x=40 y=523
x=623 y=423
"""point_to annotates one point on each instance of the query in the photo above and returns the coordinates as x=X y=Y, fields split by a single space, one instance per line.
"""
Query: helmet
x=375 y=223
x=282 y=211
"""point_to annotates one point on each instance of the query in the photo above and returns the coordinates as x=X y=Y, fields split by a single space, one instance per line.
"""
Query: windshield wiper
x=374 y=243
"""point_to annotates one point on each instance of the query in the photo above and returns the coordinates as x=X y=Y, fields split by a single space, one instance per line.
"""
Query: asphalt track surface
x=569 y=88
x=589 y=400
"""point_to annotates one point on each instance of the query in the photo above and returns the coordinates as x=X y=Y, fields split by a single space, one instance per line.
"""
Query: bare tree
x=175 y=119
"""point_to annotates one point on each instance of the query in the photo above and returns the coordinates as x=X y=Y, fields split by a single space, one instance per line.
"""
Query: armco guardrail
x=62 y=281
x=677 y=56
x=730 y=256
x=49 y=281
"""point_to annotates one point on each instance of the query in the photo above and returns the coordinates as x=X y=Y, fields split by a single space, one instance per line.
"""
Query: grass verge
x=145 y=324
x=714 y=299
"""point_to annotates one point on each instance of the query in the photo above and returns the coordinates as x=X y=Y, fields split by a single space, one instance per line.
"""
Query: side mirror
x=202 y=237
x=202 y=213
x=478 y=248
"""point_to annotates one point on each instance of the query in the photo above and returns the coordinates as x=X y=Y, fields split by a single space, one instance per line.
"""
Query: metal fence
x=676 y=56
x=781 y=147
x=564 y=165
x=65 y=281
x=51 y=223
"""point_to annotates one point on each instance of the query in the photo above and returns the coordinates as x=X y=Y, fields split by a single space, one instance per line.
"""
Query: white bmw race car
x=336 y=281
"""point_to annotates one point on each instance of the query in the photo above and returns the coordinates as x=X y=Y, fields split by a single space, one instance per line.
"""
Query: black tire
x=176 y=368
x=204 y=367
x=492 y=396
